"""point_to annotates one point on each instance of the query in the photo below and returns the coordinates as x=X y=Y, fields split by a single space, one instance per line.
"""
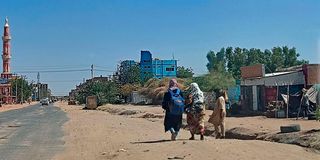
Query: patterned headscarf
x=196 y=93
x=173 y=84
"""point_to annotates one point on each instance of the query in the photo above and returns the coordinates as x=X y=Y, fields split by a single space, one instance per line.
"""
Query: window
x=169 y=69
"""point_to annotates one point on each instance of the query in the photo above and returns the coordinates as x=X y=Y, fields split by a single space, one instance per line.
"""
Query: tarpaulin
x=314 y=94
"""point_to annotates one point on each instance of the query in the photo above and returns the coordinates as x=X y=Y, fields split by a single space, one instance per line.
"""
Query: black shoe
x=173 y=136
x=218 y=136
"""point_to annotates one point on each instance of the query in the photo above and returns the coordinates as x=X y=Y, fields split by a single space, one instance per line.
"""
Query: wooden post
x=277 y=95
x=288 y=101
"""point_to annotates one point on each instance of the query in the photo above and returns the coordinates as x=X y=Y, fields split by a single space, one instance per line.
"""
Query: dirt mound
x=242 y=133
x=118 y=111
x=129 y=112
x=110 y=109
x=309 y=139
x=151 y=115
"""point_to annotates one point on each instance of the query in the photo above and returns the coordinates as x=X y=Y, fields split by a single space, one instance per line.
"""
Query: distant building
x=259 y=89
x=156 y=68
x=6 y=75
x=40 y=91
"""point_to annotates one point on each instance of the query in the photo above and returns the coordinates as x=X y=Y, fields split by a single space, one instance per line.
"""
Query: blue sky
x=73 y=34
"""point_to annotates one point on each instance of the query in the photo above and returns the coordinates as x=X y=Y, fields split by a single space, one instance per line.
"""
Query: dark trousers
x=305 y=111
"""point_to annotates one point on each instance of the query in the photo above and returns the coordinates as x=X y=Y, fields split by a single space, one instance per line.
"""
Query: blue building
x=156 y=68
x=127 y=64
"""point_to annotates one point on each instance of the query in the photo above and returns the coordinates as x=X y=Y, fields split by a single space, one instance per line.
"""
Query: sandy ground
x=7 y=107
x=91 y=135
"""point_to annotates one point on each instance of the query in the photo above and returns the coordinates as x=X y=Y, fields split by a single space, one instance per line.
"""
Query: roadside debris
x=122 y=150
x=177 y=157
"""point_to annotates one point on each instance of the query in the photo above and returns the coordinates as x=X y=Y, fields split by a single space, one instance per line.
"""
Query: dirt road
x=94 y=135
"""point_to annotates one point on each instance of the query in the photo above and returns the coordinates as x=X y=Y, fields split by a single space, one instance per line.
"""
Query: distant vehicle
x=44 y=101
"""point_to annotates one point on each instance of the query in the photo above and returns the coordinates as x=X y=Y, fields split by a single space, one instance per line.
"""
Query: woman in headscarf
x=219 y=114
x=173 y=117
x=195 y=111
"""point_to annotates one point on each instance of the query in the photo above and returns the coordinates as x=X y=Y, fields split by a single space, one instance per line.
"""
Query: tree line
x=231 y=59
x=22 y=89
x=224 y=66
x=223 y=71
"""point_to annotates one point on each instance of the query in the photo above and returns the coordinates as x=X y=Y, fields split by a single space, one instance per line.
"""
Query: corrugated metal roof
x=279 y=79
x=278 y=73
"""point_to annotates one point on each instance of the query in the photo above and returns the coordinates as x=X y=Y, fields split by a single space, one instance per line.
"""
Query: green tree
x=22 y=88
x=277 y=59
x=254 y=56
x=291 y=59
x=106 y=92
x=239 y=61
x=184 y=72
x=267 y=60
x=214 y=81
x=212 y=60
x=231 y=60
x=216 y=61
x=130 y=74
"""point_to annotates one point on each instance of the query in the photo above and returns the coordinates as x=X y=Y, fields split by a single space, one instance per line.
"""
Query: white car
x=44 y=101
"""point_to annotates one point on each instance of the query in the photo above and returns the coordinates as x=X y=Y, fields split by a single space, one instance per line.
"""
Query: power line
x=47 y=68
x=98 y=66
x=50 y=66
x=63 y=81
x=103 y=70
x=51 y=71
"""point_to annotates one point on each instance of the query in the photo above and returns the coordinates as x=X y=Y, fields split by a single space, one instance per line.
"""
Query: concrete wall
x=312 y=73
x=252 y=71
x=137 y=98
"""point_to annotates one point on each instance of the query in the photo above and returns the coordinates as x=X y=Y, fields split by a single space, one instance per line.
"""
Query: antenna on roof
x=173 y=56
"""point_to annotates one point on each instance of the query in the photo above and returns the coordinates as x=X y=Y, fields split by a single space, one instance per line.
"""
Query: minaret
x=6 y=55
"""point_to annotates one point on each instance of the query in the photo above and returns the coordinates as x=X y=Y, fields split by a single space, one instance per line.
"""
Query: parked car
x=44 y=101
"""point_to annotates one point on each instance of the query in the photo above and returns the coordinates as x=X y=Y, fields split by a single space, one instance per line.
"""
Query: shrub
x=318 y=113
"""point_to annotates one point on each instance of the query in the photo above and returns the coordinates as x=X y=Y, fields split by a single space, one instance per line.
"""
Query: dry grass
x=155 y=89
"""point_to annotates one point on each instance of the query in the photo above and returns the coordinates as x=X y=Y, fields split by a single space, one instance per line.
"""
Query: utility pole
x=288 y=93
x=92 y=71
x=21 y=89
x=38 y=86
x=16 y=88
